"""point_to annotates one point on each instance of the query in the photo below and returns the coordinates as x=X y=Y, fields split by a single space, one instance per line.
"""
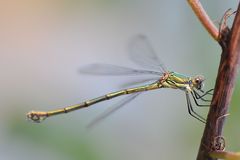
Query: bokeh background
x=43 y=44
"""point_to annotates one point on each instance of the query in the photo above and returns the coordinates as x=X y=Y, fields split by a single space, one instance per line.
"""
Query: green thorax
x=179 y=78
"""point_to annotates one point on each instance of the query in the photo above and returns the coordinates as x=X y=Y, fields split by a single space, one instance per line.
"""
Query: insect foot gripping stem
x=36 y=116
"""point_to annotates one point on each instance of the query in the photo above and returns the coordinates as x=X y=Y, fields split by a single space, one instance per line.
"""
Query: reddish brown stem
x=204 y=18
x=227 y=72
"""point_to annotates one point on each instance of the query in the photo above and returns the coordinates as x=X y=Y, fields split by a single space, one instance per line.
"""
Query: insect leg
x=192 y=112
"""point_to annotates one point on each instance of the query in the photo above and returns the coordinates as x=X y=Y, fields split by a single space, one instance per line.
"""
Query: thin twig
x=204 y=18
x=226 y=155
x=227 y=72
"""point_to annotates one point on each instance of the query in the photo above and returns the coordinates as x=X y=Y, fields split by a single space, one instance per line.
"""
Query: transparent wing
x=141 y=82
x=109 y=69
x=109 y=111
x=142 y=53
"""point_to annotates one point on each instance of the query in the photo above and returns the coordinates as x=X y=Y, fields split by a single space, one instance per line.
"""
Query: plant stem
x=227 y=72
x=204 y=18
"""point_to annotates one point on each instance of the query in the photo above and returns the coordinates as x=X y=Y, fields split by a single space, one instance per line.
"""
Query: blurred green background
x=44 y=43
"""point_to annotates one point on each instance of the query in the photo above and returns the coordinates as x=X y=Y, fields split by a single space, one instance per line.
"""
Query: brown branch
x=204 y=18
x=227 y=72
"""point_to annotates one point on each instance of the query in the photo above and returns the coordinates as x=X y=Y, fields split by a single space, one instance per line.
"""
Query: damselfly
x=142 y=53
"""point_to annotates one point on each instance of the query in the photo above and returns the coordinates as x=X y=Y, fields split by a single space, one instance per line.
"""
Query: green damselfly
x=142 y=53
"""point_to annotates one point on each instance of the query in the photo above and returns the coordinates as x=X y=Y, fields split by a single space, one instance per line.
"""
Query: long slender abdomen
x=38 y=116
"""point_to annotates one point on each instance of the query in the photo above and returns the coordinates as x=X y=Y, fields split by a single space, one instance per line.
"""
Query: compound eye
x=197 y=80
